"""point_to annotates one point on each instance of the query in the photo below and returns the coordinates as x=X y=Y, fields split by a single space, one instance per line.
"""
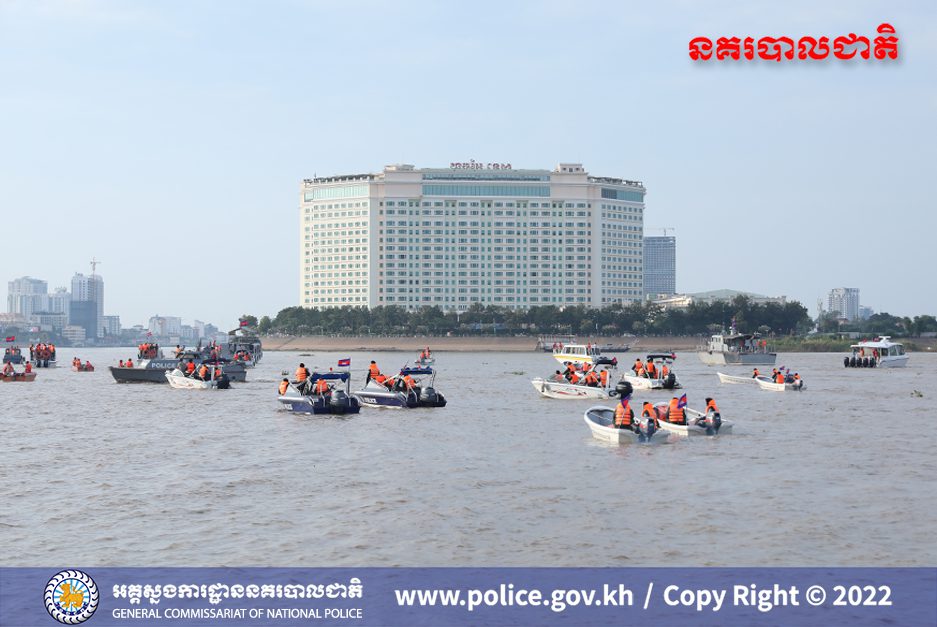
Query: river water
x=99 y=473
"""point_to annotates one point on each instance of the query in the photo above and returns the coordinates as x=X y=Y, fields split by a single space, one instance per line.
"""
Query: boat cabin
x=742 y=343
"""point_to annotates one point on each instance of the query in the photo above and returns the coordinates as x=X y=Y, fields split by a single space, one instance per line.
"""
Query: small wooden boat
x=767 y=384
x=600 y=420
x=83 y=368
x=178 y=380
x=698 y=423
x=565 y=390
x=24 y=377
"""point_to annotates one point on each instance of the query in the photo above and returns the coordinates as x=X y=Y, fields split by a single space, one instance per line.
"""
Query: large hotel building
x=471 y=233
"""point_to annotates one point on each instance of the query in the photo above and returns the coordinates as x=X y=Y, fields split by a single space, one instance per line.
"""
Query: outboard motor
x=865 y=362
x=338 y=398
x=428 y=397
x=712 y=421
x=223 y=382
x=852 y=361
x=622 y=389
x=845 y=362
x=670 y=381
x=647 y=429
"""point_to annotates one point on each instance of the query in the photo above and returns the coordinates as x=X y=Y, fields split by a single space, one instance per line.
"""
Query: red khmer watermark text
x=778 y=48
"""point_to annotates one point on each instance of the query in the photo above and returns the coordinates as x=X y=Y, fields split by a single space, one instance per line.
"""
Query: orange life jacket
x=664 y=371
x=574 y=378
x=203 y=371
x=130 y=363
x=300 y=374
x=603 y=376
x=389 y=382
x=374 y=370
x=779 y=378
x=623 y=414
x=28 y=367
x=380 y=378
x=676 y=414
x=651 y=370
x=284 y=386
x=410 y=382
x=322 y=386
x=711 y=405
x=190 y=367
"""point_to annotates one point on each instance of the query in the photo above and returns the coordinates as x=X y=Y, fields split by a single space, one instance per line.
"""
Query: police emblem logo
x=71 y=597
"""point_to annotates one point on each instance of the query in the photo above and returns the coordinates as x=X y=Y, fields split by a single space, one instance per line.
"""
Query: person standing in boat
x=28 y=367
x=650 y=414
x=650 y=369
x=756 y=374
x=603 y=377
x=302 y=378
x=675 y=412
x=373 y=372
x=624 y=415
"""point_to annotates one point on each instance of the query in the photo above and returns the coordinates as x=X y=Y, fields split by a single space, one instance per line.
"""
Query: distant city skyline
x=159 y=137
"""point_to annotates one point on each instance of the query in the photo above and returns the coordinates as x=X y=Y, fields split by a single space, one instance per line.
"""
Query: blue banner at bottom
x=368 y=597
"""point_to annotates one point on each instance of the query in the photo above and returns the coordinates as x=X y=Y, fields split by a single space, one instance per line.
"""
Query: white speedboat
x=657 y=382
x=765 y=383
x=580 y=354
x=698 y=423
x=178 y=380
x=564 y=389
x=880 y=352
x=601 y=423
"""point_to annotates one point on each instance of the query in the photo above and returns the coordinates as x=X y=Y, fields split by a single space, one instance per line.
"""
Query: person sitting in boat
x=28 y=367
x=755 y=373
x=390 y=382
x=129 y=363
x=650 y=414
x=120 y=364
x=88 y=365
x=798 y=382
x=409 y=382
x=217 y=372
x=650 y=369
x=179 y=351
x=302 y=378
x=8 y=369
x=558 y=377
x=591 y=379
x=711 y=409
x=624 y=415
x=675 y=412
x=322 y=387
x=203 y=372
x=373 y=372
x=779 y=377
x=638 y=366
x=189 y=368
x=574 y=377
x=603 y=377
x=284 y=386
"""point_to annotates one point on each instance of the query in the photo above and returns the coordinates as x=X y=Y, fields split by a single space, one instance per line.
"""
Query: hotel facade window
x=451 y=237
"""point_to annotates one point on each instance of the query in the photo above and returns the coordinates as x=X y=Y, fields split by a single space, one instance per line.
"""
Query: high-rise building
x=165 y=326
x=110 y=325
x=471 y=233
x=660 y=265
x=26 y=296
x=88 y=289
x=59 y=301
x=845 y=301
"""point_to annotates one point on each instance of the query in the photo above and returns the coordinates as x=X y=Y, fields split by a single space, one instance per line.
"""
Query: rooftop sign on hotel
x=476 y=165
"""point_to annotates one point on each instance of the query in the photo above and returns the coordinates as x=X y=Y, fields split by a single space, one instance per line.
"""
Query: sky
x=168 y=139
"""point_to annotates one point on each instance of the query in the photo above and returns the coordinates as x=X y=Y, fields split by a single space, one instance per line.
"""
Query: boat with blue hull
x=400 y=396
x=335 y=401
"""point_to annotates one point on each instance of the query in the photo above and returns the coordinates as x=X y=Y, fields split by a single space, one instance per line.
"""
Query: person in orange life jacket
x=624 y=415
x=88 y=365
x=592 y=379
x=129 y=363
x=189 y=368
x=28 y=367
x=284 y=386
x=603 y=377
x=302 y=378
x=650 y=413
x=568 y=373
x=574 y=378
x=203 y=372
x=390 y=382
x=373 y=372
x=322 y=386
x=410 y=382
x=380 y=378
x=650 y=369
x=217 y=373
x=664 y=371
x=756 y=374
x=779 y=377
x=8 y=368
x=586 y=367
x=675 y=413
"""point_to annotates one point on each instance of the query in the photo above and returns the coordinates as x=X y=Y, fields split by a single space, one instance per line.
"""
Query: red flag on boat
x=682 y=402
x=11 y=338
x=344 y=363
x=243 y=323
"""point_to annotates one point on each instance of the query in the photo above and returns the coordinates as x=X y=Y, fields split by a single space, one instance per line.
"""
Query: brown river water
x=98 y=473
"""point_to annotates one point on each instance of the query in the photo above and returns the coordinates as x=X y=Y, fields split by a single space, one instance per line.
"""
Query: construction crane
x=94 y=265
x=667 y=228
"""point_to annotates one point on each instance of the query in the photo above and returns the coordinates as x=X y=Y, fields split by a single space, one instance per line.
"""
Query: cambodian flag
x=682 y=402
x=344 y=363
x=11 y=338
x=244 y=323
